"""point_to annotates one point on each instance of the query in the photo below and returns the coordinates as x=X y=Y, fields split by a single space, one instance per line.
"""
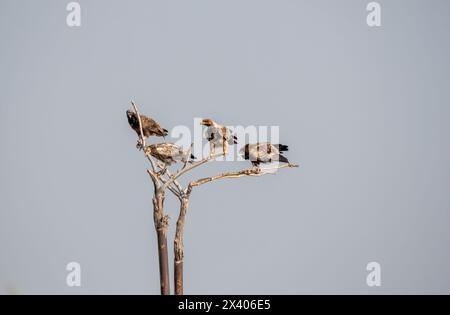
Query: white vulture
x=218 y=135
x=264 y=152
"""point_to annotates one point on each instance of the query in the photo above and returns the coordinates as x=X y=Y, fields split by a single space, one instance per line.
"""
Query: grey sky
x=364 y=111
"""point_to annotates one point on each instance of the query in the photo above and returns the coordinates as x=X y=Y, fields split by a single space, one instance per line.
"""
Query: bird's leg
x=225 y=146
x=212 y=149
x=140 y=144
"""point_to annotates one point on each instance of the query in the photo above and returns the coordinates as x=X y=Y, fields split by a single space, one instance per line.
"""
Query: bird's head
x=207 y=122
x=130 y=114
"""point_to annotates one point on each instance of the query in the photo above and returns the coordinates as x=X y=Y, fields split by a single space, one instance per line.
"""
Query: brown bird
x=168 y=153
x=264 y=152
x=218 y=135
x=149 y=126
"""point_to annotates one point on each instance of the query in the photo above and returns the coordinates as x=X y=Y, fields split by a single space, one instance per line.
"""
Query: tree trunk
x=179 y=248
x=161 y=226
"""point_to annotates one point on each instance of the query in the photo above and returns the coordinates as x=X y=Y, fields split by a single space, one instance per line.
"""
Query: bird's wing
x=146 y=120
x=210 y=133
x=152 y=126
x=215 y=135
x=254 y=151
x=164 y=149
x=228 y=135
x=266 y=152
x=173 y=151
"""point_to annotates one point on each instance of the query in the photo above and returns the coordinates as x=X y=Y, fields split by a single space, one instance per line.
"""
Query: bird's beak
x=202 y=123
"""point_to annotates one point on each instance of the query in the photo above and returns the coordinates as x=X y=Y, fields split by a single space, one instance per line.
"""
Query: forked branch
x=186 y=168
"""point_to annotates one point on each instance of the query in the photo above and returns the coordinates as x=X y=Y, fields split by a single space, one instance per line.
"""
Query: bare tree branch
x=179 y=247
x=192 y=166
x=152 y=162
x=175 y=182
x=246 y=172
x=173 y=188
x=140 y=124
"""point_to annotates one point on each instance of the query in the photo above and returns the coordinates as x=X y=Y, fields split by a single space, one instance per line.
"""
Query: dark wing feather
x=282 y=158
x=281 y=147
x=152 y=128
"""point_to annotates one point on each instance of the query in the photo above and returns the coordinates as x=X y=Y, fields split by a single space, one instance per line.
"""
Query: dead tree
x=163 y=179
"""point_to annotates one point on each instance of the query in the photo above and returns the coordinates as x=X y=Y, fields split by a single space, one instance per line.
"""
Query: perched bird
x=218 y=135
x=168 y=153
x=149 y=126
x=264 y=152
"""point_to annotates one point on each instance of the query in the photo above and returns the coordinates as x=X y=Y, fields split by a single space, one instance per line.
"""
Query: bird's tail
x=281 y=147
x=283 y=159
x=164 y=133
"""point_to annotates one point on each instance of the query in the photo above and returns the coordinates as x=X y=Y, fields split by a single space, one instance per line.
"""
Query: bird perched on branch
x=149 y=126
x=218 y=135
x=264 y=152
x=168 y=153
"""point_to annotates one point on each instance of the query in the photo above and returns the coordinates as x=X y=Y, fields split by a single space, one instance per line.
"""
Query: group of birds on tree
x=216 y=134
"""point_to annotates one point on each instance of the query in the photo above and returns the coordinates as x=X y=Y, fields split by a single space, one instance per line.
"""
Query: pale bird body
x=218 y=136
x=264 y=152
x=168 y=153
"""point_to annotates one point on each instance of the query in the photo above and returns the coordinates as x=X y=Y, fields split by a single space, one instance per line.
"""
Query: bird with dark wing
x=218 y=135
x=264 y=152
x=168 y=153
x=149 y=126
